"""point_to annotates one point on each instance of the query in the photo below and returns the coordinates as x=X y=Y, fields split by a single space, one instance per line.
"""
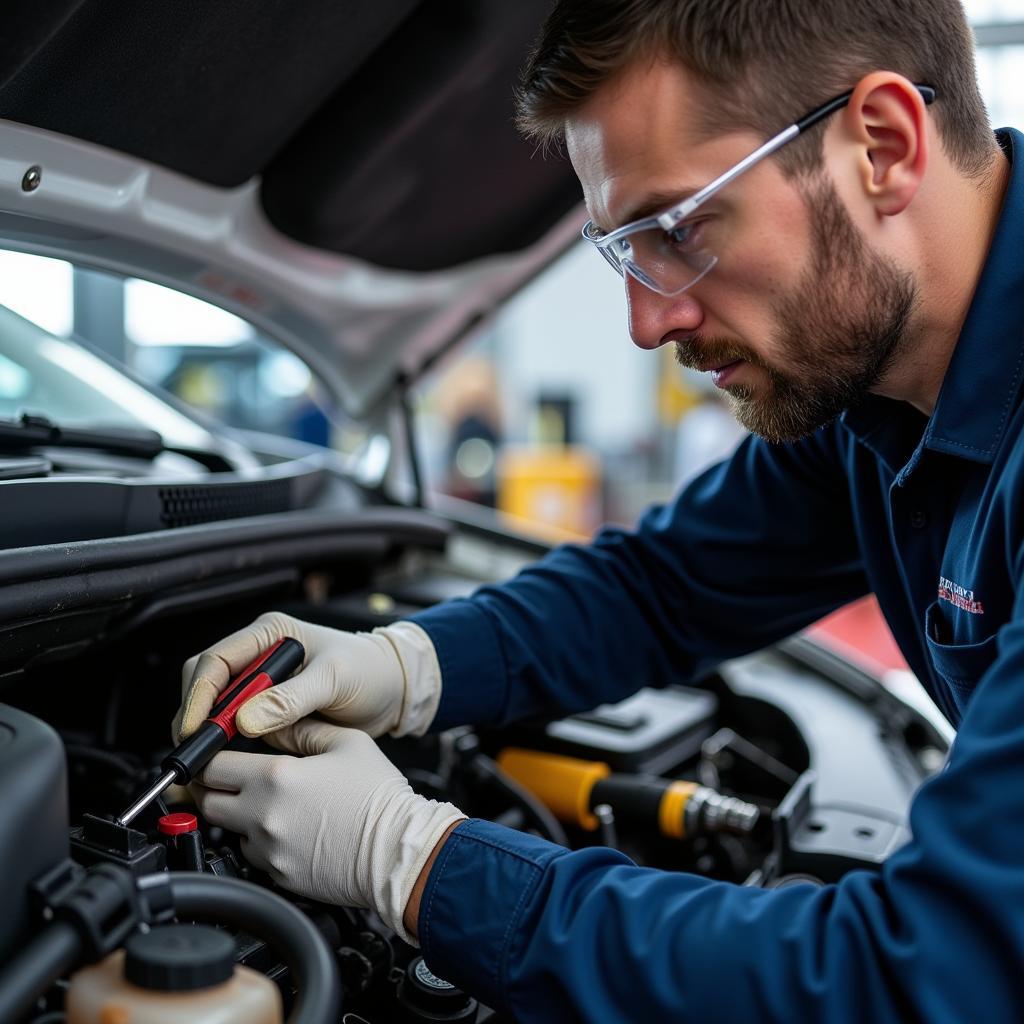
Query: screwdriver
x=187 y=759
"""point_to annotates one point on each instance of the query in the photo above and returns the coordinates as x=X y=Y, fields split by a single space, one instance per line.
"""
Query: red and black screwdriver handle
x=272 y=666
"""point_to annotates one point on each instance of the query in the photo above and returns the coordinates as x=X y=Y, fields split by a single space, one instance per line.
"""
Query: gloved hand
x=339 y=824
x=385 y=681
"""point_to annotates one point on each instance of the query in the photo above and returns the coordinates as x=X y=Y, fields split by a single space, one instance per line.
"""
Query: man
x=858 y=291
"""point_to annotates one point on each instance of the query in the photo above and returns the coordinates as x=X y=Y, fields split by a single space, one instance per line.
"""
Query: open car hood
x=345 y=176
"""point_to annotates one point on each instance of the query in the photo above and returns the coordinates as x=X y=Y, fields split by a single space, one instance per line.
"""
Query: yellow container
x=556 y=490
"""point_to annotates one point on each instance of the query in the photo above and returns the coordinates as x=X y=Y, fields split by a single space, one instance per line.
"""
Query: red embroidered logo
x=959 y=596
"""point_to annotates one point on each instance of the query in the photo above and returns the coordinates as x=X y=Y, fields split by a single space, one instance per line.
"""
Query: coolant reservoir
x=170 y=975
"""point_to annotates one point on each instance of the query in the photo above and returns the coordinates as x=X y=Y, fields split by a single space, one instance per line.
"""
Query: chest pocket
x=959 y=666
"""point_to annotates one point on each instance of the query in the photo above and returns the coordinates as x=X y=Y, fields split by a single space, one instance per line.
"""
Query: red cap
x=175 y=824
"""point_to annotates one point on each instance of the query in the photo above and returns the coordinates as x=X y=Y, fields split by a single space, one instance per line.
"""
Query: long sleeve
x=750 y=552
x=937 y=935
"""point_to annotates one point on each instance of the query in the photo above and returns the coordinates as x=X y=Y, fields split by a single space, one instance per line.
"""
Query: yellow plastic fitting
x=562 y=784
x=672 y=809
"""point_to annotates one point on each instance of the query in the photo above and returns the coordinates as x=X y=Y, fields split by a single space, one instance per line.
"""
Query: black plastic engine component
x=89 y=915
x=363 y=961
x=748 y=767
x=98 y=841
x=33 y=815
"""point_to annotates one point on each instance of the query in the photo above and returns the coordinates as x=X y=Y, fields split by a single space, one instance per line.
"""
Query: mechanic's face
x=799 y=317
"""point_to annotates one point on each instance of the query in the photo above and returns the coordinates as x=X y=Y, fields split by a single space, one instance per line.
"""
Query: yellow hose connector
x=562 y=784
x=672 y=809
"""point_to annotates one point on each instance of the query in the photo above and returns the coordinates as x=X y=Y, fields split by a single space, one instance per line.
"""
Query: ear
x=887 y=121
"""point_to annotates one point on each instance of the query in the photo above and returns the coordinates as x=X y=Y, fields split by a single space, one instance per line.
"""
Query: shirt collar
x=984 y=375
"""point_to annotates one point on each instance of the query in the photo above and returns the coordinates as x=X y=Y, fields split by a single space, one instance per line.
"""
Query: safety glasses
x=669 y=252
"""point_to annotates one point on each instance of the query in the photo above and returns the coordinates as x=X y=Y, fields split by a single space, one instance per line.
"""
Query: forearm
x=547 y=935
x=565 y=635
x=695 y=583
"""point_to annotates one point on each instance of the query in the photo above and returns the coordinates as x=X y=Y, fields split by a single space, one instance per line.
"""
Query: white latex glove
x=387 y=681
x=339 y=824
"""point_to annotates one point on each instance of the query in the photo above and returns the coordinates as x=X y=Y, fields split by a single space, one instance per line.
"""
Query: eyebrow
x=653 y=202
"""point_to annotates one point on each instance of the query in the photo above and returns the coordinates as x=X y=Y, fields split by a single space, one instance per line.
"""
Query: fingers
x=309 y=737
x=204 y=676
x=235 y=787
x=287 y=702
x=210 y=676
x=254 y=854
x=229 y=770
x=225 y=809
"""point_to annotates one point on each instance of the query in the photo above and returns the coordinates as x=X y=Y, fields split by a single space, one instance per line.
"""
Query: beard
x=840 y=330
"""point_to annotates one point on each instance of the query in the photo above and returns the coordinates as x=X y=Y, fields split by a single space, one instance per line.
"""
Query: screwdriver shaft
x=147 y=798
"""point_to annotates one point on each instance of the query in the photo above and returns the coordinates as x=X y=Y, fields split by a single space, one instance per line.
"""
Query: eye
x=685 y=235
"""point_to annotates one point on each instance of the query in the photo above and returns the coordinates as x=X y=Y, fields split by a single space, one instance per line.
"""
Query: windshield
x=61 y=379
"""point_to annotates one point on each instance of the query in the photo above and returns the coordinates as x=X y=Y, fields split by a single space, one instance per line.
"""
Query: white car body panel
x=357 y=326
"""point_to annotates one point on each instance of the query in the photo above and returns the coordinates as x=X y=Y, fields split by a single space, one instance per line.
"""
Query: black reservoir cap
x=179 y=958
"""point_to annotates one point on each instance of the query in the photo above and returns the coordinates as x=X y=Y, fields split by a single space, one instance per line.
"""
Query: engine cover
x=33 y=815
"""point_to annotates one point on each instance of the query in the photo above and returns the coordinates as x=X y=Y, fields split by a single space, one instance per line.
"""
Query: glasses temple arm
x=671 y=218
x=927 y=94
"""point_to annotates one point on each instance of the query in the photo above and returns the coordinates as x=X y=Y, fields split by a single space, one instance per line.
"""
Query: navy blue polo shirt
x=924 y=512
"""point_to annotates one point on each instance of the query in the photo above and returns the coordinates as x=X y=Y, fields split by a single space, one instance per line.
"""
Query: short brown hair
x=767 y=62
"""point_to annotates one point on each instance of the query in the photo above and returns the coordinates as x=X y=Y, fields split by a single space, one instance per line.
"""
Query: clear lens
x=667 y=261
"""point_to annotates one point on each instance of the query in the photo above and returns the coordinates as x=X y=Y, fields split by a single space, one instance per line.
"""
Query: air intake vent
x=187 y=506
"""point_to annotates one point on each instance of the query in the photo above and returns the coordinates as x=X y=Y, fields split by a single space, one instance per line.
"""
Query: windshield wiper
x=32 y=431
x=35 y=431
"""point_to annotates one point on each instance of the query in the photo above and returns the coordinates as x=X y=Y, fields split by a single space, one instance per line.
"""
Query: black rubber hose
x=282 y=926
x=49 y=955
x=537 y=813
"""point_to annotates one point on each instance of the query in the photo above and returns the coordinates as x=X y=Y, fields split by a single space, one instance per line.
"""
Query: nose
x=653 y=317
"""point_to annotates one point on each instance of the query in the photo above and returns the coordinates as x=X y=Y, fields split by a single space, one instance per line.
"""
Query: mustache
x=698 y=352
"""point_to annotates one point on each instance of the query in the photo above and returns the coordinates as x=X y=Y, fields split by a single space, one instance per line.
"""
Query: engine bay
x=746 y=779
